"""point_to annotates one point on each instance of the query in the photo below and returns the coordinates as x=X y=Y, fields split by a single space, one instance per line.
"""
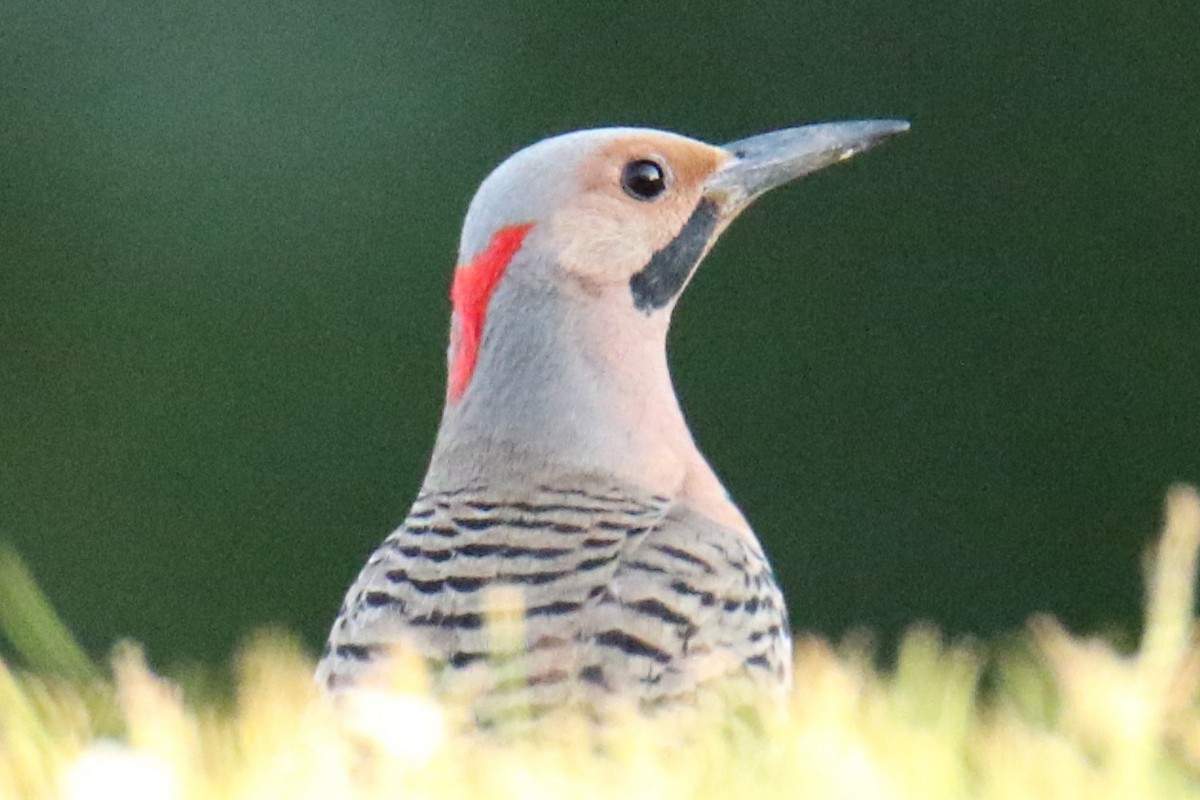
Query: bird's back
x=615 y=592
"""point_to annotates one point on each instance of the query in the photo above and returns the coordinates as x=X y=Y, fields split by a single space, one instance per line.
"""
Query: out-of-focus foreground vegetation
x=1045 y=714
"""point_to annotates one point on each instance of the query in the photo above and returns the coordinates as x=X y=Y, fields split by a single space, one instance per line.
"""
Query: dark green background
x=950 y=380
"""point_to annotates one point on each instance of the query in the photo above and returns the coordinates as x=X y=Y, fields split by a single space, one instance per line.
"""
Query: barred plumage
x=618 y=591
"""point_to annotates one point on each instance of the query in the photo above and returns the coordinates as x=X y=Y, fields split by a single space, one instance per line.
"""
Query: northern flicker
x=565 y=486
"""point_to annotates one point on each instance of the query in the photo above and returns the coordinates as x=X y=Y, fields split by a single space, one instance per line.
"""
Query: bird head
x=602 y=229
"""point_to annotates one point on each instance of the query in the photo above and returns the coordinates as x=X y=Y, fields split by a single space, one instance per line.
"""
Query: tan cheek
x=604 y=240
x=598 y=244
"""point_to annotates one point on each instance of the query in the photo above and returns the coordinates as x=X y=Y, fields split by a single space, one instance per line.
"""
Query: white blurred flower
x=107 y=770
x=407 y=727
x=844 y=765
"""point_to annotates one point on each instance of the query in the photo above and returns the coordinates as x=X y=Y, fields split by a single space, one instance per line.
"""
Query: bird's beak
x=762 y=162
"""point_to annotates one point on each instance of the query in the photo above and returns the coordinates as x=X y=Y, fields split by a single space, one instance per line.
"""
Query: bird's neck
x=559 y=393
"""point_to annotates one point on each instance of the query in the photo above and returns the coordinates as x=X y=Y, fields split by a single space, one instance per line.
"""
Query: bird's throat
x=558 y=387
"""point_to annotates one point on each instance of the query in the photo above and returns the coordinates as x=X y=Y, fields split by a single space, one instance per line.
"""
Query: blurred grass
x=1044 y=714
x=30 y=624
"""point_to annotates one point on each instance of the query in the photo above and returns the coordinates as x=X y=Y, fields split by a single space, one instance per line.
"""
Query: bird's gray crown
x=530 y=184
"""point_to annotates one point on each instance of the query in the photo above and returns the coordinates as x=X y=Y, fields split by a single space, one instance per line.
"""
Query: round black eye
x=643 y=179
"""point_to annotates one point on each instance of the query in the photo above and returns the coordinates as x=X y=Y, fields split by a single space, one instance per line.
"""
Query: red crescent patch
x=470 y=294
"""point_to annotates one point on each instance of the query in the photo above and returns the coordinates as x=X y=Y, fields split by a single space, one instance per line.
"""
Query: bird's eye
x=643 y=179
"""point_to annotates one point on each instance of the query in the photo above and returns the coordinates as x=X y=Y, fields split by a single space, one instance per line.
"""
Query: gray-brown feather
x=620 y=594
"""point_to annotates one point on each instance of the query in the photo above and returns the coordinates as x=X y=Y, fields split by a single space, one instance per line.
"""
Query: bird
x=565 y=492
